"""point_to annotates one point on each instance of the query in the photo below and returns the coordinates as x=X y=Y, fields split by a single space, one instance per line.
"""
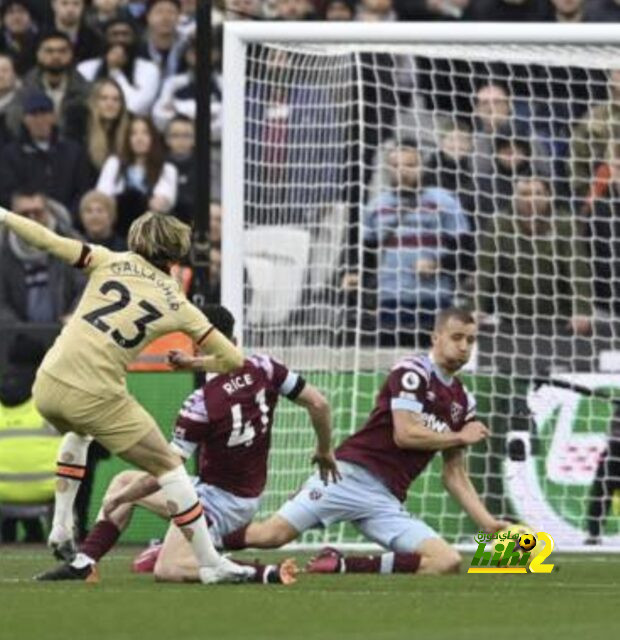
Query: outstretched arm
x=38 y=236
x=314 y=402
x=456 y=480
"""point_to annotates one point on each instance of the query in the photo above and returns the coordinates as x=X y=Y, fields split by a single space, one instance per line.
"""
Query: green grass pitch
x=578 y=601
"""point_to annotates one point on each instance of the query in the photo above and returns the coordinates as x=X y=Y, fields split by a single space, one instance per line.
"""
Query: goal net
x=375 y=176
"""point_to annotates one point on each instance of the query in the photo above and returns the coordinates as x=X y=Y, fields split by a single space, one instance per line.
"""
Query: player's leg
x=51 y=398
x=411 y=545
x=314 y=504
x=272 y=533
x=126 y=429
x=107 y=530
x=70 y=471
x=152 y=454
x=177 y=563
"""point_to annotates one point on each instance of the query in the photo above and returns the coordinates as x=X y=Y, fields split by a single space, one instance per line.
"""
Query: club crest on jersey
x=456 y=411
x=315 y=494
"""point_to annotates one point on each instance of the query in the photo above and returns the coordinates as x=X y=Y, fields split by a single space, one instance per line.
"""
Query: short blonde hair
x=160 y=238
x=97 y=197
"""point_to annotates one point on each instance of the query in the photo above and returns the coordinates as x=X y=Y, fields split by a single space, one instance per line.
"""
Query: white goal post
x=324 y=127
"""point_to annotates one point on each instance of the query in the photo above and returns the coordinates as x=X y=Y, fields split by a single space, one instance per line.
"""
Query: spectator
x=243 y=9
x=68 y=19
x=533 y=271
x=108 y=122
x=432 y=9
x=451 y=167
x=414 y=231
x=40 y=159
x=34 y=286
x=294 y=10
x=340 y=10
x=603 y=11
x=98 y=216
x=180 y=138
x=592 y=137
x=138 y=77
x=139 y=178
x=604 y=227
x=512 y=158
x=510 y=10
x=18 y=36
x=54 y=74
x=178 y=94
x=568 y=10
x=8 y=96
x=493 y=112
x=102 y=12
x=163 y=44
x=376 y=11
x=28 y=445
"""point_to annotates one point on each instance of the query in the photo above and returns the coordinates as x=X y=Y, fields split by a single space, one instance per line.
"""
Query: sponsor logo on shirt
x=434 y=423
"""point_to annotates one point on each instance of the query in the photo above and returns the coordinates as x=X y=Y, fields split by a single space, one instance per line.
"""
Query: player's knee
x=165 y=571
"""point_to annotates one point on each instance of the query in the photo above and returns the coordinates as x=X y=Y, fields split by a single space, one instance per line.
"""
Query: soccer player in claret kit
x=421 y=409
x=230 y=418
x=129 y=301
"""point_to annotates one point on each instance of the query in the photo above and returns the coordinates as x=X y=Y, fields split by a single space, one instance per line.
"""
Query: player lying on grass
x=422 y=409
x=230 y=417
x=129 y=301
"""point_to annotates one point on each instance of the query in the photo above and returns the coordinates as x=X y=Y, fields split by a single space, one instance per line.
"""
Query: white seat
x=276 y=259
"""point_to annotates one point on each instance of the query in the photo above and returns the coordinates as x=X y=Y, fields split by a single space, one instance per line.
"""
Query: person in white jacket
x=138 y=177
x=138 y=77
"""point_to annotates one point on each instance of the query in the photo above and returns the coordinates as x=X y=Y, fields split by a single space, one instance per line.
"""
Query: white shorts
x=225 y=511
x=361 y=499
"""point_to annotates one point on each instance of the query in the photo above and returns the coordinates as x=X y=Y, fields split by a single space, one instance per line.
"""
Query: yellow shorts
x=117 y=422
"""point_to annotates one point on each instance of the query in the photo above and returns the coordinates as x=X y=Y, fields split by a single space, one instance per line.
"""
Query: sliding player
x=421 y=409
x=230 y=418
x=130 y=300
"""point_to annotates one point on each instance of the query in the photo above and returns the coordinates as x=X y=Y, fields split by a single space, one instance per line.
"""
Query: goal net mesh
x=382 y=184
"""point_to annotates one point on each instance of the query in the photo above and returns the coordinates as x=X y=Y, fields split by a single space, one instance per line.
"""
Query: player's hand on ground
x=288 y=570
x=178 y=359
x=328 y=467
x=474 y=432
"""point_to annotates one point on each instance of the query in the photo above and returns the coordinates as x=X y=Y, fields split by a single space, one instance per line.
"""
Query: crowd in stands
x=97 y=115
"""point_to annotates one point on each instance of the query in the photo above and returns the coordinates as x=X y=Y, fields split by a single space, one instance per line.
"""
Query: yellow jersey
x=127 y=304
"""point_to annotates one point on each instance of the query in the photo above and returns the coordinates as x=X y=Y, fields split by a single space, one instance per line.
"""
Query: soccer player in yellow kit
x=129 y=301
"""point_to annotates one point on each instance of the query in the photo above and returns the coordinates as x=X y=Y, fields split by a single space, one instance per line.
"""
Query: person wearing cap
x=163 y=43
x=138 y=77
x=55 y=75
x=69 y=19
x=40 y=159
x=28 y=445
x=18 y=34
